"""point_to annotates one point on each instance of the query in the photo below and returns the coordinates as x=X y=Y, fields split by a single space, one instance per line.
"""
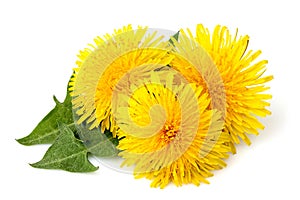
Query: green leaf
x=98 y=143
x=47 y=130
x=66 y=153
x=175 y=36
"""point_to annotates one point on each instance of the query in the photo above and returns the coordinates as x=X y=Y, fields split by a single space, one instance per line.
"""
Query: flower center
x=169 y=133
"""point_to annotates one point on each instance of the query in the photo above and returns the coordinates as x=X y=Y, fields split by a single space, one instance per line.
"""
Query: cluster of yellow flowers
x=179 y=107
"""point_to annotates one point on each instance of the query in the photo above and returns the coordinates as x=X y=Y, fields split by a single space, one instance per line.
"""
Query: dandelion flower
x=101 y=65
x=242 y=77
x=189 y=143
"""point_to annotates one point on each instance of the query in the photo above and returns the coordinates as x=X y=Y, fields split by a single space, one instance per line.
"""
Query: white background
x=39 y=41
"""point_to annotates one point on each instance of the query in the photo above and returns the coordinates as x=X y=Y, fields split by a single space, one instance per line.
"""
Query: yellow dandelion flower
x=242 y=77
x=103 y=64
x=170 y=135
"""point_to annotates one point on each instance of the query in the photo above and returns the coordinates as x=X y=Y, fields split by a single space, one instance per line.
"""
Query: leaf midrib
x=63 y=159
x=48 y=134
x=73 y=155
